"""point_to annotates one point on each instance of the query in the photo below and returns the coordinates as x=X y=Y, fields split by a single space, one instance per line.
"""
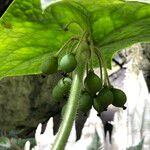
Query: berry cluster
x=66 y=64
x=96 y=91
x=99 y=96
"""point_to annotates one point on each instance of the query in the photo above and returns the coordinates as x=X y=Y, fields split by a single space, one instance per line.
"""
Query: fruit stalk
x=66 y=43
x=70 y=114
x=104 y=65
x=100 y=67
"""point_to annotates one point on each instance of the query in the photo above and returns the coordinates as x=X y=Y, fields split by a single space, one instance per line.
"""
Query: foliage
x=29 y=36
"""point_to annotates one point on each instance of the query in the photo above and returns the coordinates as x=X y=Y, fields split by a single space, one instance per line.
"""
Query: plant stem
x=71 y=109
x=80 y=41
x=100 y=66
x=91 y=61
x=66 y=43
x=104 y=65
x=71 y=22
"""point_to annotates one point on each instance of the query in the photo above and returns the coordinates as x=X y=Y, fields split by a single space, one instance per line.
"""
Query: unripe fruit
x=50 y=65
x=63 y=110
x=103 y=99
x=92 y=83
x=97 y=106
x=68 y=63
x=65 y=84
x=58 y=94
x=85 y=102
x=119 y=97
x=61 y=90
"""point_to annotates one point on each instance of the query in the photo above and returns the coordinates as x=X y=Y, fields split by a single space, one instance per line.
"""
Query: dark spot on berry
x=105 y=109
x=99 y=115
x=43 y=76
x=124 y=108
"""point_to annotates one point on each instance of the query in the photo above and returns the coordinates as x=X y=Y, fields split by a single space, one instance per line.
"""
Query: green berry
x=61 y=90
x=103 y=99
x=58 y=94
x=65 y=84
x=68 y=63
x=119 y=97
x=92 y=83
x=85 y=102
x=50 y=65
x=63 y=110
x=97 y=106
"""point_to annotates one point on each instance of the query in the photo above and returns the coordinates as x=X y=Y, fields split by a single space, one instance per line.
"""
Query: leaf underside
x=29 y=35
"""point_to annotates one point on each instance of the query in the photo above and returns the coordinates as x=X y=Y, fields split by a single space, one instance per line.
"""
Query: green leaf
x=29 y=35
x=122 y=25
x=28 y=38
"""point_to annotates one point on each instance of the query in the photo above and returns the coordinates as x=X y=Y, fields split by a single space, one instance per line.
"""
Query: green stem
x=100 y=66
x=104 y=65
x=87 y=69
x=79 y=43
x=72 y=47
x=71 y=110
x=71 y=22
x=91 y=58
x=66 y=43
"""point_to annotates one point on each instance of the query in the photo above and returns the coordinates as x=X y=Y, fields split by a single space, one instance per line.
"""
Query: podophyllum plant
x=73 y=37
